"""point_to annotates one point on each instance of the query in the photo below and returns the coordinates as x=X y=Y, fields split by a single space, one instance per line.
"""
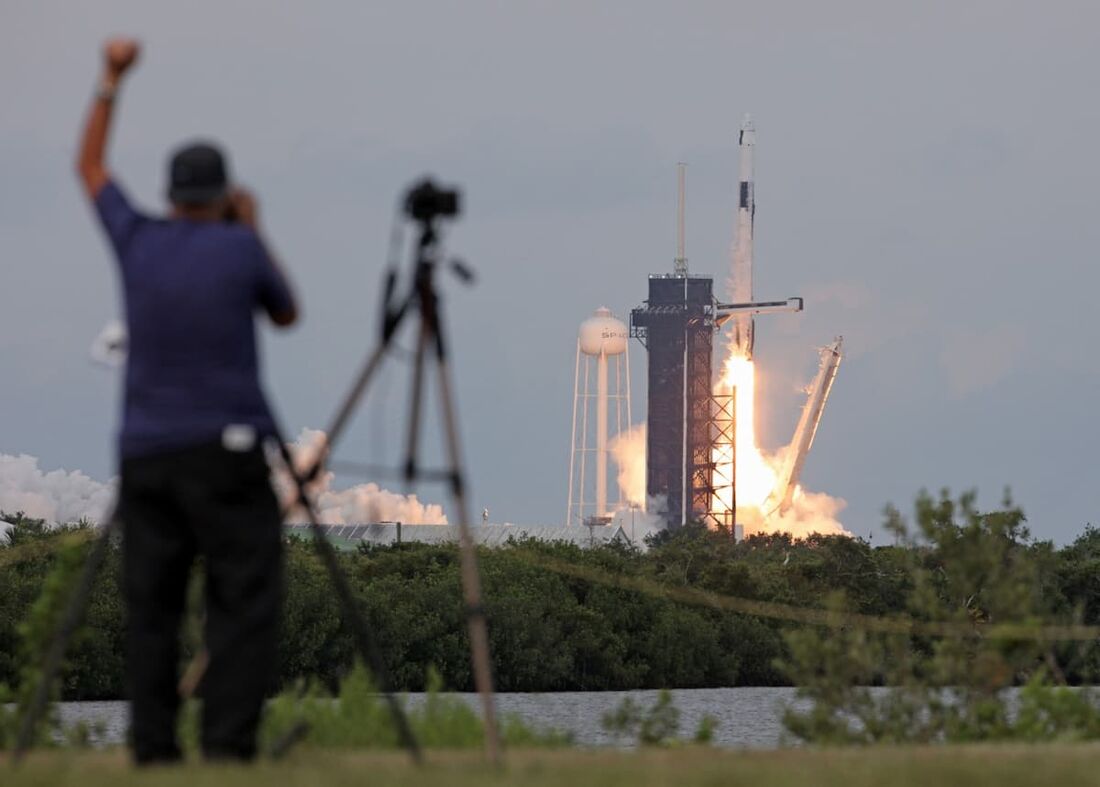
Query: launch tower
x=689 y=424
x=676 y=326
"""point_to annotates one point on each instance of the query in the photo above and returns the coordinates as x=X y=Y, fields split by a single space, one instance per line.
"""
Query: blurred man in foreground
x=194 y=479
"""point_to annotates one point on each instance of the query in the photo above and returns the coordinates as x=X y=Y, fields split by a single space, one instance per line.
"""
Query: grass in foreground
x=972 y=766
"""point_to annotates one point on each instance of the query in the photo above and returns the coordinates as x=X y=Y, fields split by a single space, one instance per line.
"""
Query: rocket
x=742 y=311
x=742 y=334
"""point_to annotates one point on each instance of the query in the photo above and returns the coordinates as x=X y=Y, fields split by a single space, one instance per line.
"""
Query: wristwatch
x=106 y=90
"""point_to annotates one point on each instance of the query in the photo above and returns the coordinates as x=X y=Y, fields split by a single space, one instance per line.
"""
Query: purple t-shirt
x=191 y=289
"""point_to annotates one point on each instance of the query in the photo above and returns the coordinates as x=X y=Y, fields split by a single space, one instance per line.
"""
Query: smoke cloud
x=628 y=452
x=61 y=496
x=359 y=504
x=58 y=496
x=809 y=513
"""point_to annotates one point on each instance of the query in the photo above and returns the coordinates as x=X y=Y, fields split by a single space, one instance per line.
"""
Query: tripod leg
x=471 y=581
x=412 y=438
x=340 y=420
x=194 y=671
x=364 y=638
x=75 y=608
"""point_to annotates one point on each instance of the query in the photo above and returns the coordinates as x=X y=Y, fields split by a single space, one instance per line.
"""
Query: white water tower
x=602 y=352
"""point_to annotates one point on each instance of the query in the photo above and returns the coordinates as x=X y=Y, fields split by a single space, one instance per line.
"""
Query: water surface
x=748 y=717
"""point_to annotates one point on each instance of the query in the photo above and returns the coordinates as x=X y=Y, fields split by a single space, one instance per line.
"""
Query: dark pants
x=175 y=506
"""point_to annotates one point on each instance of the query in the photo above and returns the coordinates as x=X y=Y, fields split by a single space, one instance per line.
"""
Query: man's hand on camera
x=119 y=55
x=244 y=207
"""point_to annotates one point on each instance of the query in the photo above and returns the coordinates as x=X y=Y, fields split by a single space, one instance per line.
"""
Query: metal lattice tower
x=721 y=497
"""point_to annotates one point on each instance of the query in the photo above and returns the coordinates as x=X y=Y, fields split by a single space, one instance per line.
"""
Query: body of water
x=748 y=717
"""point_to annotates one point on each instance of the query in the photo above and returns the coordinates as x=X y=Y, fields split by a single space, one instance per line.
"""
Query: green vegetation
x=308 y=716
x=957 y=766
x=357 y=718
x=589 y=628
x=975 y=572
x=31 y=631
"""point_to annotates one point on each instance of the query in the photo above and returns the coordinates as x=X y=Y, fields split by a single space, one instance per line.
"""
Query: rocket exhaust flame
x=755 y=477
x=757 y=474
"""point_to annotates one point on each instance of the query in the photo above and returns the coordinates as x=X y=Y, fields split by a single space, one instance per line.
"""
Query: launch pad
x=691 y=428
x=692 y=432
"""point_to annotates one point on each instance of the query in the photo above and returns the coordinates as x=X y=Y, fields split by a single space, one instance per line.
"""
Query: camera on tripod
x=425 y=201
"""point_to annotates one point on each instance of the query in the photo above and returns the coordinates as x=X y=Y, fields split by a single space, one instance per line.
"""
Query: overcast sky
x=926 y=178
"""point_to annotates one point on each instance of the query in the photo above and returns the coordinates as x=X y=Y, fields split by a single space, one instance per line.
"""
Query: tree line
x=557 y=631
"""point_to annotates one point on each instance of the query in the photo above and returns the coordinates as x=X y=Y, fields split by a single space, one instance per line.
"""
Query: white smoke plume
x=628 y=452
x=359 y=504
x=810 y=512
x=640 y=523
x=58 y=496
x=814 y=512
x=61 y=496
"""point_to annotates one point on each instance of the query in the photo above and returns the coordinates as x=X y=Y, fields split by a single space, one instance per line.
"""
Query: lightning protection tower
x=602 y=354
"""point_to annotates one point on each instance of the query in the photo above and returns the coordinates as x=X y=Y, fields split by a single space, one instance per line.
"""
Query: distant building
x=350 y=536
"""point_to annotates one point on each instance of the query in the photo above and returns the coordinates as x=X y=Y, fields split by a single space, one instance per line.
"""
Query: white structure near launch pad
x=603 y=343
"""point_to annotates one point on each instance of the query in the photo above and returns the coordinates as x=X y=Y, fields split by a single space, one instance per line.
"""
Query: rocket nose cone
x=748 y=132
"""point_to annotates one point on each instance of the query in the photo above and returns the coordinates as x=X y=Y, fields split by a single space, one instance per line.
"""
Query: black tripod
x=426 y=204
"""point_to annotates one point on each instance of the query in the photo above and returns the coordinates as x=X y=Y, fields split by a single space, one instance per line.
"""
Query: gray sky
x=927 y=178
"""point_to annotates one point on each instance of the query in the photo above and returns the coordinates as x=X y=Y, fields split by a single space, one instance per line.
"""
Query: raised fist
x=120 y=54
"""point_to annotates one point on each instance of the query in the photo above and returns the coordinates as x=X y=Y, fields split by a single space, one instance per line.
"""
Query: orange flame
x=756 y=474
